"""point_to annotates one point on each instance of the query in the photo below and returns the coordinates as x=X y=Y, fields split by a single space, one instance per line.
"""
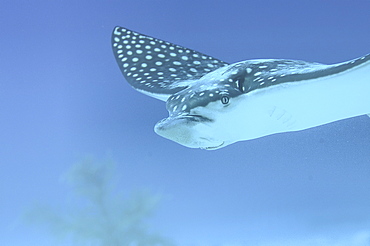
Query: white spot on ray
x=118 y=32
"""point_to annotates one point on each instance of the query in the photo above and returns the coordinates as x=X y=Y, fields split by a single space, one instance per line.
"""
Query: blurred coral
x=105 y=218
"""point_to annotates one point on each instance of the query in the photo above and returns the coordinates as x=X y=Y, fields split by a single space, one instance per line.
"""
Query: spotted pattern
x=200 y=95
x=247 y=76
x=157 y=66
x=192 y=80
x=256 y=74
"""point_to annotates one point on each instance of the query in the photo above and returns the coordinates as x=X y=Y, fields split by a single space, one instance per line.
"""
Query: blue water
x=62 y=98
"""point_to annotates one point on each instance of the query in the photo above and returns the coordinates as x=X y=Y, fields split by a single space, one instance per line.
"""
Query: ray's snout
x=176 y=129
x=188 y=130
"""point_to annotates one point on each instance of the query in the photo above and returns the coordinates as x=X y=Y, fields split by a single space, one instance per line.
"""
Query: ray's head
x=199 y=90
x=198 y=114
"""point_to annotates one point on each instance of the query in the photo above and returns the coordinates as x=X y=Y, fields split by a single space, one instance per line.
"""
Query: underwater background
x=80 y=163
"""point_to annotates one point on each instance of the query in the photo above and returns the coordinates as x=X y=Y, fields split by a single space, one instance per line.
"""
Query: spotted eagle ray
x=212 y=103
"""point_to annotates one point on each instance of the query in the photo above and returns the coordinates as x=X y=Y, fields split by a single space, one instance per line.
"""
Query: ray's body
x=212 y=104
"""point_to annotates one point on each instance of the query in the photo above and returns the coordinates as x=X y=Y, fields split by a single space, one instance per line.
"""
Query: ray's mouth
x=196 y=118
x=213 y=147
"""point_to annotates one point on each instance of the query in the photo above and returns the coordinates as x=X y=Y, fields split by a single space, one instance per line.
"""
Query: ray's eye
x=225 y=100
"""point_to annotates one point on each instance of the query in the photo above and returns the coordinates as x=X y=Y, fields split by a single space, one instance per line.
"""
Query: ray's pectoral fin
x=368 y=115
x=156 y=67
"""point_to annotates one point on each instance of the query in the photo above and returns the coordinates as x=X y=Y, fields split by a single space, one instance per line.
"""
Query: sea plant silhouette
x=105 y=218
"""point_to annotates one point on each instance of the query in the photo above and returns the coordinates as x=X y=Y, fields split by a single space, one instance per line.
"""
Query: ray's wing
x=263 y=73
x=156 y=67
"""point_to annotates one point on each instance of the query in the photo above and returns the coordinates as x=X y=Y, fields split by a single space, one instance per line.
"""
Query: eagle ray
x=212 y=103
